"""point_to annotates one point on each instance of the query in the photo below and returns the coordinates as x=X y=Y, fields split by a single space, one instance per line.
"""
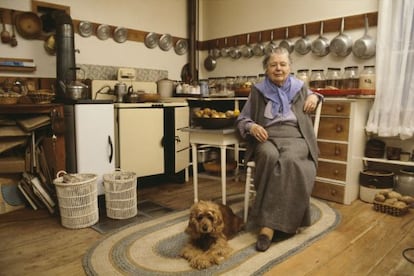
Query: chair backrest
x=317 y=118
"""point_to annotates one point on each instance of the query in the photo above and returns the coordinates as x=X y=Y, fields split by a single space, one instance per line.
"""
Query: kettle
x=75 y=90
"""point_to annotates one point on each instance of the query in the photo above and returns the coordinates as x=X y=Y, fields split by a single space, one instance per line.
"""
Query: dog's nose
x=205 y=228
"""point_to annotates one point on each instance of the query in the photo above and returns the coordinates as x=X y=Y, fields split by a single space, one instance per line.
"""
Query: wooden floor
x=365 y=242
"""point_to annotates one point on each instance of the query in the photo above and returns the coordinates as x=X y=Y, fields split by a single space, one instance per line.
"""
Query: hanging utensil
x=103 y=32
x=303 y=45
x=271 y=45
x=234 y=51
x=5 y=35
x=165 y=42
x=28 y=25
x=151 y=40
x=341 y=45
x=224 y=52
x=258 y=48
x=210 y=62
x=246 y=50
x=287 y=43
x=50 y=45
x=320 y=46
x=13 y=40
x=216 y=51
x=181 y=47
x=120 y=34
x=365 y=46
x=85 y=28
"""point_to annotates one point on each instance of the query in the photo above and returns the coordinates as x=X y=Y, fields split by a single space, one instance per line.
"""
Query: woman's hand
x=311 y=103
x=258 y=132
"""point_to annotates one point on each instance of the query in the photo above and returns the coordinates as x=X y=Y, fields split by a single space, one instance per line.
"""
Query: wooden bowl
x=214 y=123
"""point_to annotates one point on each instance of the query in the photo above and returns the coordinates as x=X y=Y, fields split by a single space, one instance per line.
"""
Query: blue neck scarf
x=280 y=96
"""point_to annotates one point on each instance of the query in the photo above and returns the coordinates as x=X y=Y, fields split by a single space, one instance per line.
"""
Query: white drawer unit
x=341 y=141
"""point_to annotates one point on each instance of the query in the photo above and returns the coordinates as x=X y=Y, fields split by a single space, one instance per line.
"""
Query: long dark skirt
x=284 y=179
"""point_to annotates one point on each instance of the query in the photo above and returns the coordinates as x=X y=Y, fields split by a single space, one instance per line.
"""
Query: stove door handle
x=112 y=149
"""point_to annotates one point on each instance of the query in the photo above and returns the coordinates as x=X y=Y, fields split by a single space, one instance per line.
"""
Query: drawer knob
x=336 y=172
x=339 y=108
x=337 y=151
x=333 y=192
x=339 y=128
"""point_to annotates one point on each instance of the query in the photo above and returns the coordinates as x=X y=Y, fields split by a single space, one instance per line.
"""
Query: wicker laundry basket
x=78 y=199
x=120 y=194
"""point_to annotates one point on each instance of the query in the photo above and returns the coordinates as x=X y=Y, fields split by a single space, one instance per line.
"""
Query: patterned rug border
x=119 y=248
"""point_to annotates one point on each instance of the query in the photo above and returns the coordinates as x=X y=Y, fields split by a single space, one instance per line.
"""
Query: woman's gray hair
x=279 y=51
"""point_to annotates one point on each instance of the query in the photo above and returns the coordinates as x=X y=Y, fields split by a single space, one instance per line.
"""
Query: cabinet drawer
x=333 y=128
x=336 y=108
x=329 y=191
x=331 y=170
x=333 y=151
x=182 y=140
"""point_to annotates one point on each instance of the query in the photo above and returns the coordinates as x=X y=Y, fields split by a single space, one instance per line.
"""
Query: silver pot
x=341 y=45
x=404 y=182
x=303 y=45
x=287 y=43
x=320 y=46
x=246 y=50
x=365 y=46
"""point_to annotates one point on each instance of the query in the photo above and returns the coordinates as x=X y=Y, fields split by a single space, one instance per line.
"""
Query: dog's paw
x=200 y=262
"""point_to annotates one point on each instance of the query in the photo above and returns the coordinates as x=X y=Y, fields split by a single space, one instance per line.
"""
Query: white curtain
x=393 y=111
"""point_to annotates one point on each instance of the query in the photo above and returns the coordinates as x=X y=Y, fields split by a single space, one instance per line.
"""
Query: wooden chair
x=249 y=190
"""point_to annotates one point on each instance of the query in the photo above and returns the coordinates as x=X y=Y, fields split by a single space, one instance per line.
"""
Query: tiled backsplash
x=101 y=72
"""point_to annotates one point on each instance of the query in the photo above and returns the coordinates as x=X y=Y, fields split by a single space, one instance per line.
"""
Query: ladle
x=13 y=40
x=5 y=35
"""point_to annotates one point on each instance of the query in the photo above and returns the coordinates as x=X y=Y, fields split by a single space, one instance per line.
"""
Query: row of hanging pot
x=341 y=45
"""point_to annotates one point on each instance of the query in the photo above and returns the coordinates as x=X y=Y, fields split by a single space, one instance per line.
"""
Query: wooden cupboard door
x=331 y=170
x=333 y=151
x=141 y=131
x=334 y=128
x=336 y=108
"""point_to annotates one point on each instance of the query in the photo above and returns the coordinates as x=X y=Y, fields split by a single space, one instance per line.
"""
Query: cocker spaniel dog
x=209 y=227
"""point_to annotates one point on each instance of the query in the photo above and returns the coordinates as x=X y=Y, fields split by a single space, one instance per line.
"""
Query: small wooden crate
x=389 y=209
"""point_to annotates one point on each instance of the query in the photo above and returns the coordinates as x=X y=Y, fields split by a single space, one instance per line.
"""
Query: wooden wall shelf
x=312 y=28
x=17 y=68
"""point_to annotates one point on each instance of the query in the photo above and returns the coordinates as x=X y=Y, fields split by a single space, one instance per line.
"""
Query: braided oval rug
x=153 y=247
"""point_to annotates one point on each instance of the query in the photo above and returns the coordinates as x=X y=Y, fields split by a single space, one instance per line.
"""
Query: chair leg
x=247 y=192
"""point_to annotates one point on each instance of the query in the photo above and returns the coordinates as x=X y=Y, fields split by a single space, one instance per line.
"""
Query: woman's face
x=278 y=68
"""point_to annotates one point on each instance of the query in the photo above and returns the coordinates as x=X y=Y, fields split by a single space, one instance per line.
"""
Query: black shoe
x=263 y=243
x=279 y=236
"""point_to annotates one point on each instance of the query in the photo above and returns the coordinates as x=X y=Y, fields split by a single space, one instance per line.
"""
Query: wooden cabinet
x=341 y=141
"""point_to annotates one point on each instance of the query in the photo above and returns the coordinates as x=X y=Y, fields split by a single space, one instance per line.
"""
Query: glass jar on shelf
x=367 y=78
x=317 y=79
x=303 y=74
x=350 y=79
x=261 y=77
x=252 y=79
x=333 y=78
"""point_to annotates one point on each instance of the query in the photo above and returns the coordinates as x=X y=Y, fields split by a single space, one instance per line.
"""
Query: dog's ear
x=191 y=228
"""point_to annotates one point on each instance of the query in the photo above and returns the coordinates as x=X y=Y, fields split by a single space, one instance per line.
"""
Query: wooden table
x=220 y=138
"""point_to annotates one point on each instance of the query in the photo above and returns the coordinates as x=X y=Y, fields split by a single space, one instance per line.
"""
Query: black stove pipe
x=65 y=52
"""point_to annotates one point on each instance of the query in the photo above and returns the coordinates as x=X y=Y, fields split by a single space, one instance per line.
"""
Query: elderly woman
x=280 y=139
